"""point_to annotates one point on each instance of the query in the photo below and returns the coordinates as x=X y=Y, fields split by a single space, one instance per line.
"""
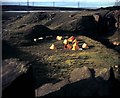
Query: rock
x=107 y=22
x=86 y=23
x=103 y=73
x=43 y=90
x=82 y=82
x=79 y=74
x=50 y=87
x=11 y=69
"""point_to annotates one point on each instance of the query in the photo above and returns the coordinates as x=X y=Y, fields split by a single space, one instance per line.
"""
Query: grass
x=61 y=62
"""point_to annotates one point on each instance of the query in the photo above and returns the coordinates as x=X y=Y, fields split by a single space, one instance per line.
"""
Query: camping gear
x=59 y=37
x=71 y=39
x=69 y=46
x=116 y=43
x=40 y=38
x=52 y=47
x=65 y=46
x=65 y=42
x=75 y=41
x=85 y=46
x=75 y=46
x=80 y=49
x=35 y=39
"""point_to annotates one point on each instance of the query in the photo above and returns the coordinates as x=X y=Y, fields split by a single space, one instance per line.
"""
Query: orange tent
x=75 y=46
x=65 y=42
x=67 y=46
x=85 y=46
x=71 y=38
x=59 y=37
x=52 y=47
x=75 y=41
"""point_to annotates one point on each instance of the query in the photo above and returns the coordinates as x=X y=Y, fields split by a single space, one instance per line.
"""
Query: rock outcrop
x=82 y=82
x=50 y=87
x=11 y=69
x=79 y=74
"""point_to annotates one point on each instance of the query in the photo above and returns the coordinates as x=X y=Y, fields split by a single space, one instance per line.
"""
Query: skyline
x=63 y=3
x=59 y=0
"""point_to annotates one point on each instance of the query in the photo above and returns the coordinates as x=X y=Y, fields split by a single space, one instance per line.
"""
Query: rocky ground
x=58 y=67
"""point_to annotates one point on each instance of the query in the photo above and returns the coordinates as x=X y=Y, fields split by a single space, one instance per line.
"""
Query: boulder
x=103 y=73
x=11 y=69
x=82 y=82
x=107 y=22
x=50 y=87
x=79 y=74
x=87 y=24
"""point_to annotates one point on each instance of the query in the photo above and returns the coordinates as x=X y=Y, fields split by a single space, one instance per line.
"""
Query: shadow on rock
x=25 y=84
x=102 y=85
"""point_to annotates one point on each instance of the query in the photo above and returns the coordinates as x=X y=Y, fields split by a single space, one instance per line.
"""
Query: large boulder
x=79 y=74
x=82 y=82
x=104 y=73
x=11 y=69
x=108 y=21
x=85 y=24
x=50 y=87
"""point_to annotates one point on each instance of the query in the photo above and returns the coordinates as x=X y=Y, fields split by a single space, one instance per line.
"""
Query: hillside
x=99 y=29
